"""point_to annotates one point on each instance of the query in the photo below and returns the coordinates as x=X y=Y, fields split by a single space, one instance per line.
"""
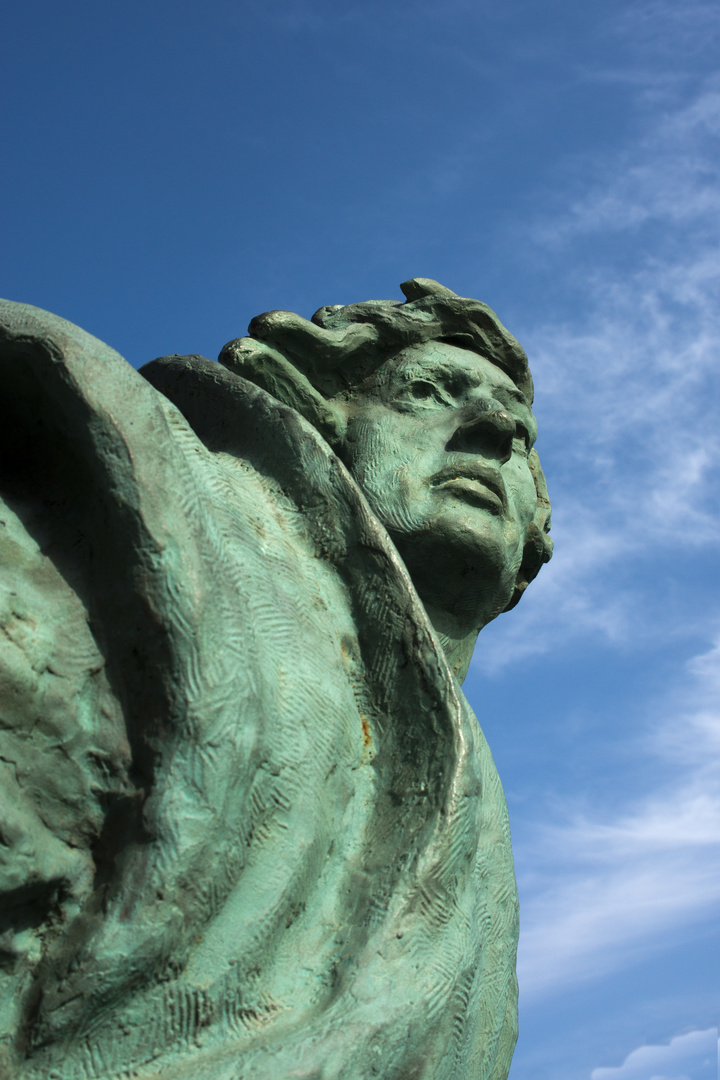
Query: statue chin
x=464 y=578
x=251 y=822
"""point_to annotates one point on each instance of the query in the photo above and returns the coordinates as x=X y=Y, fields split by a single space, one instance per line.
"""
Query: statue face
x=439 y=444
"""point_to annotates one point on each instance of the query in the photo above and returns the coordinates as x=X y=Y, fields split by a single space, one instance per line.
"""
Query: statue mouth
x=477 y=484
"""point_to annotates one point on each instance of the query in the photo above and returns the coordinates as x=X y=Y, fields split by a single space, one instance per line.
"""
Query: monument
x=250 y=828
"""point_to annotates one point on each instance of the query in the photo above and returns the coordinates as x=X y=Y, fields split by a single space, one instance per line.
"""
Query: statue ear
x=537 y=550
x=538 y=545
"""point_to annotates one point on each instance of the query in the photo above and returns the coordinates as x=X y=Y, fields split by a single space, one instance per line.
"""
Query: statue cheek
x=522 y=496
x=514 y=537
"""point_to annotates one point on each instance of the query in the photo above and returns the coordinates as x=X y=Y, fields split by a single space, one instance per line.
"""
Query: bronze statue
x=250 y=826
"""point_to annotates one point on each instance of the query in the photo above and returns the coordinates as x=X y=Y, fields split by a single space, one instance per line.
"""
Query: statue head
x=429 y=404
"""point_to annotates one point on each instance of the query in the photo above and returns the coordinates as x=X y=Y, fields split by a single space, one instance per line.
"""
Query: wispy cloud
x=692 y=1055
x=669 y=176
x=629 y=387
x=600 y=890
x=665 y=29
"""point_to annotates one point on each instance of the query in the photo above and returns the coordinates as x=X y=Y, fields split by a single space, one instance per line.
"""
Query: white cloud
x=599 y=890
x=629 y=389
x=670 y=175
x=563 y=602
x=693 y=1056
x=669 y=30
x=628 y=398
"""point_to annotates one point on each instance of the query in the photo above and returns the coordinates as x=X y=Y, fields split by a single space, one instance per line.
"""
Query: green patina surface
x=249 y=825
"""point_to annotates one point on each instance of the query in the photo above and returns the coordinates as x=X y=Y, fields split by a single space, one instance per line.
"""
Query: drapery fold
x=269 y=837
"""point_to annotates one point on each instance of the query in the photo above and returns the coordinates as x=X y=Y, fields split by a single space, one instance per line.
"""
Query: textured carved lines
x=297 y=778
x=184 y=1012
x=462 y=998
x=189 y=497
x=193 y=452
x=460 y=843
x=181 y=1013
x=378 y=906
x=436 y=904
x=266 y=796
x=176 y=1017
x=192 y=683
x=380 y=611
x=273 y=621
x=211 y=894
x=213 y=772
x=437 y=999
x=383 y=664
x=95 y=1059
x=241 y=1017
x=505 y=894
x=279 y=796
x=234 y=1007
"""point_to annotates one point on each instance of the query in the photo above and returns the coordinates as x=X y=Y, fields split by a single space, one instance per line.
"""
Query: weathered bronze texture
x=249 y=825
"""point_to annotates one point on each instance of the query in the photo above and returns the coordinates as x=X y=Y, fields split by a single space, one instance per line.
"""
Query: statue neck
x=457 y=642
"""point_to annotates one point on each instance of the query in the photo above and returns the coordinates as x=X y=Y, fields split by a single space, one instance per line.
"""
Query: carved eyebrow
x=466 y=379
x=426 y=371
x=516 y=396
x=452 y=376
x=445 y=374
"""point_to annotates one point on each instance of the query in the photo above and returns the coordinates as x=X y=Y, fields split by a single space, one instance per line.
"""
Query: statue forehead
x=443 y=361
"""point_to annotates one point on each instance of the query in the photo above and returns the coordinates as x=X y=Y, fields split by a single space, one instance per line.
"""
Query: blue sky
x=171 y=170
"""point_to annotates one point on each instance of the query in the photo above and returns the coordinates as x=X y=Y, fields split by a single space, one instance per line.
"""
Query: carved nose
x=490 y=432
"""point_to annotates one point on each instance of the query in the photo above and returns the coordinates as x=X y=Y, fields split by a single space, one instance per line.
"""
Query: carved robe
x=251 y=829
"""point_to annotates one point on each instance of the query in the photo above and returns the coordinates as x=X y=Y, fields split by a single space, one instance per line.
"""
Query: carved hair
x=307 y=364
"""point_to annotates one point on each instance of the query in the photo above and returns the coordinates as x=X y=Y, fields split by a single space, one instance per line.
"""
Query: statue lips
x=475 y=483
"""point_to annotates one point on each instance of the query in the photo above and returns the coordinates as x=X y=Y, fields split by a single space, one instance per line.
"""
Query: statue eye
x=422 y=394
x=422 y=390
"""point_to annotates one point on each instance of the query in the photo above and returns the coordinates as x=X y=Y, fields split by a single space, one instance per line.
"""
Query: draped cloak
x=251 y=829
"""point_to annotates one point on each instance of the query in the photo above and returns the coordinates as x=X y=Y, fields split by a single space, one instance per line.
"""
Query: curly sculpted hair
x=334 y=356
